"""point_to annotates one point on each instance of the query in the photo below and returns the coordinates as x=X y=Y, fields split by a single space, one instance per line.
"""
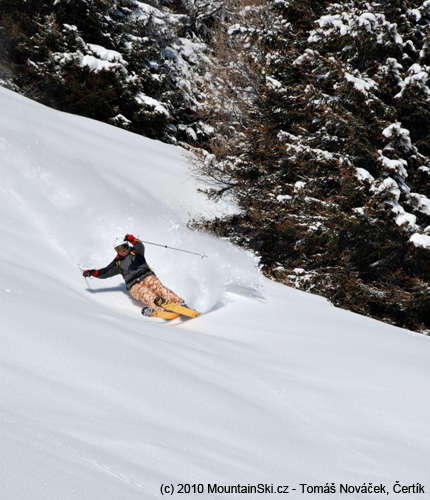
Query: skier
x=140 y=280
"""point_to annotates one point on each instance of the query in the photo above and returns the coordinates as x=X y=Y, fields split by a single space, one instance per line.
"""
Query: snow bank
x=270 y=386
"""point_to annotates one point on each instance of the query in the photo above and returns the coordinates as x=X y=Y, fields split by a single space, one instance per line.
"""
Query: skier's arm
x=138 y=246
x=105 y=272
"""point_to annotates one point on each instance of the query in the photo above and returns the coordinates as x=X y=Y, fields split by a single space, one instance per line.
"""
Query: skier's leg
x=159 y=290
x=149 y=289
x=140 y=292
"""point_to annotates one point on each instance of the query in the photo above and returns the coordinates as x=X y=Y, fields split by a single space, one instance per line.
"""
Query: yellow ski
x=176 y=308
x=155 y=313
x=164 y=314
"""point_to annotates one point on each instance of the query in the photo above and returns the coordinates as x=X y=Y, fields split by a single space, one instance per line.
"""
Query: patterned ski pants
x=150 y=288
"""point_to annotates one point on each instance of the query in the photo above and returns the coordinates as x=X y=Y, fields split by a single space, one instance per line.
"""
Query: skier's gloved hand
x=90 y=272
x=131 y=239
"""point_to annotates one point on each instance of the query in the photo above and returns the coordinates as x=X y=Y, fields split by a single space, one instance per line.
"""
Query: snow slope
x=270 y=386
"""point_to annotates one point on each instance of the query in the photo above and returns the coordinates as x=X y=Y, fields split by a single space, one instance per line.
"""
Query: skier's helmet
x=120 y=244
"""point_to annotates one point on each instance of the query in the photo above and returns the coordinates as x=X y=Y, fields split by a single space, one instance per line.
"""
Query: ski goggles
x=120 y=248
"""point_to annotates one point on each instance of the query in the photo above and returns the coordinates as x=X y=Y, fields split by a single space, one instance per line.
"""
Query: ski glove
x=130 y=238
x=90 y=272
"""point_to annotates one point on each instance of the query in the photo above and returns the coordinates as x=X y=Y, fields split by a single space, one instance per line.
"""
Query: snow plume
x=205 y=280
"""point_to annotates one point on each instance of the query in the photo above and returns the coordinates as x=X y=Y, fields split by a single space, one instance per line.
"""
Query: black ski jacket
x=133 y=267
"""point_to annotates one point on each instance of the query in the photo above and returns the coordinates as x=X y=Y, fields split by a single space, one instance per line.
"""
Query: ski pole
x=82 y=269
x=202 y=255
